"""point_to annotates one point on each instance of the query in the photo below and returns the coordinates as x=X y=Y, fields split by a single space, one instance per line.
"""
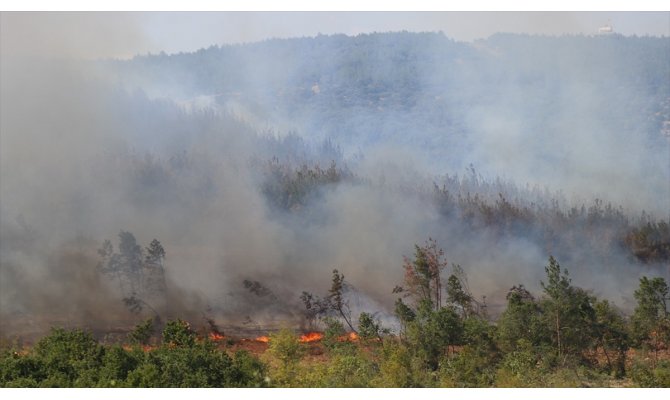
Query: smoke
x=89 y=149
x=573 y=133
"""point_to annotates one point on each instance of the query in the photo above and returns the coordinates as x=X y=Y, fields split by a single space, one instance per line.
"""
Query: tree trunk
x=609 y=362
x=558 y=335
x=346 y=320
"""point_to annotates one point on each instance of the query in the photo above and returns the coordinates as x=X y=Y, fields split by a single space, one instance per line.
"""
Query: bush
x=20 y=371
x=178 y=333
x=349 y=370
x=646 y=376
x=286 y=351
x=117 y=364
x=395 y=367
x=70 y=358
x=519 y=368
x=142 y=332
x=468 y=368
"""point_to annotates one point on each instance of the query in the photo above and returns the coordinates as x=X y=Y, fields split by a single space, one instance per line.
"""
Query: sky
x=125 y=34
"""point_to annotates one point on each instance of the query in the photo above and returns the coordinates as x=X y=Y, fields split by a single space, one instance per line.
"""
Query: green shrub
x=70 y=358
x=178 y=333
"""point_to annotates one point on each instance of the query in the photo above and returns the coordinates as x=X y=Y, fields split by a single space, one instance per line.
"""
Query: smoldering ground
x=84 y=157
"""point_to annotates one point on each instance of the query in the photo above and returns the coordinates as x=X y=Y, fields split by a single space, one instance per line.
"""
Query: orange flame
x=311 y=337
x=349 y=337
x=263 y=339
x=216 y=336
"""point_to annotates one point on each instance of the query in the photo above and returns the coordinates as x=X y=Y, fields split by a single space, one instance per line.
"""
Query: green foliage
x=332 y=334
x=645 y=374
x=349 y=370
x=287 y=351
x=248 y=371
x=117 y=364
x=178 y=333
x=405 y=315
x=650 y=242
x=568 y=314
x=432 y=333
x=369 y=329
x=74 y=359
x=147 y=375
x=194 y=366
x=612 y=337
x=336 y=298
x=474 y=364
x=520 y=368
x=651 y=318
x=567 y=339
x=142 y=332
x=521 y=320
x=70 y=358
x=468 y=368
x=480 y=335
x=21 y=370
x=422 y=274
x=397 y=369
x=457 y=296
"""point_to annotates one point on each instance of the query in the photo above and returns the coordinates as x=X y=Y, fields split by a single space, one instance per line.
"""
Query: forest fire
x=216 y=337
x=311 y=337
x=262 y=339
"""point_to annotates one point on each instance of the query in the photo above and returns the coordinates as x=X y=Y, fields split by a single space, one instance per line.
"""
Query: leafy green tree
x=398 y=369
x=147 y=374
x=458 y=296
x=519 y=367
x=521 y=320
x=423 y=274
x=332 y=334
x=481 y=335
x=468 y=368
x=569 y=313
x=612 y=336
x=432 y=333
x=178 y=333
x=336 y=297
x=429 y=329
x=117 y=364
x=142 y=332
x=651 y=319
x=200 y=365
x=369 y=329
x=350 y=369
x=285 y=347
x=18 y=370
x=248 y=370
x=405 y=315
x=651 y=377
x=558 y=291
x=69 y=358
